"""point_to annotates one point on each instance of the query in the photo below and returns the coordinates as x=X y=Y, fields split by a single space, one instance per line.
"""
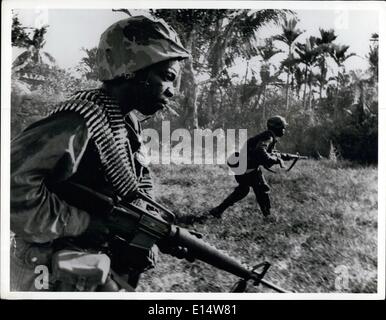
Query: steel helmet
x=276 y=122
x=136 y=43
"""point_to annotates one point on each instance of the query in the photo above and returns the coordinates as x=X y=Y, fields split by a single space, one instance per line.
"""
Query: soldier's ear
x=109 y=56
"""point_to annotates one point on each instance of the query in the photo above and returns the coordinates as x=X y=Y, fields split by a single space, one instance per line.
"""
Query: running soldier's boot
x=266 y=211
x=264 y=188
x=216 y=212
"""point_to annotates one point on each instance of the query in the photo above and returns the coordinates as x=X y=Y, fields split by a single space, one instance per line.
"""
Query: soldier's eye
x=170 y=76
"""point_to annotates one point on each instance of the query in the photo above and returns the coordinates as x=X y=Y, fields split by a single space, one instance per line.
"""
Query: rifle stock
x=141 y=229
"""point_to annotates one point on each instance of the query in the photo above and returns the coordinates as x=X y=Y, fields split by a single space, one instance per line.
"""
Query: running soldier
x=260 y=152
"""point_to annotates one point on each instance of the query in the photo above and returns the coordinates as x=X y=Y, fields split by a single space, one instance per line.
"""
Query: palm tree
x=267 y=51
x=33 y=56
x=308 y=55
x=339 y=54
x=321 y=77
x=288 y=36
x=360 y=87
x=326 y=38
x=325 y=43
x=373 y=57
x=298 y=79
x=19 y=36
x=88 y=64
x=235 y=36
x=288 y=66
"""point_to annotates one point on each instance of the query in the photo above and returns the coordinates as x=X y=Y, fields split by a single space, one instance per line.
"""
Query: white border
x=382 y=152
x=6 y=63
x=6 y=54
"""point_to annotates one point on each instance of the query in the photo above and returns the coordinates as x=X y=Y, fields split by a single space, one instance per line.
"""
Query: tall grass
x=322 y=236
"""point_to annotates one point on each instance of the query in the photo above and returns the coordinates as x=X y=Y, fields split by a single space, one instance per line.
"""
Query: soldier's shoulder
x=266 y=135
x=57 y=121
x=261 y=137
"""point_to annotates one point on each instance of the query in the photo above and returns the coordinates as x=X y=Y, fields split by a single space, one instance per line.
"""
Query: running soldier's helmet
x=276 y=122
x=135 y=43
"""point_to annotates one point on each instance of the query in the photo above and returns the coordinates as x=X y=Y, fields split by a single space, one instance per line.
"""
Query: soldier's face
x=155 y=92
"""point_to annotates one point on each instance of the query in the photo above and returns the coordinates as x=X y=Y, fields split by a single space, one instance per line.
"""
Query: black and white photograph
x=224 y=150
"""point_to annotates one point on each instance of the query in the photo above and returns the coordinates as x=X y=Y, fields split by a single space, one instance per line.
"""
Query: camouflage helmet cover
x=276 y=122
x=135 y=43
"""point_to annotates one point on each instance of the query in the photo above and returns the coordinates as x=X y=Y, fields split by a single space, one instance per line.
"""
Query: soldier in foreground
x=260 y=152
x=93 y=139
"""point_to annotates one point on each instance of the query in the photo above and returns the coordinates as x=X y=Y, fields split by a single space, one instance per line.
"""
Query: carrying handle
x=150 y=201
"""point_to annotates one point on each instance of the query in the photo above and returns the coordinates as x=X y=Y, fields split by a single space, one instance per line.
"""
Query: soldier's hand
x=281 y=163
x=285 y=157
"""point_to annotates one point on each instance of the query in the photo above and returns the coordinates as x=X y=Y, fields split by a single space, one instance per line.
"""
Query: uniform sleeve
x=145 y=183
x=142 y=161
x=264 y=156
x=38 y=215
x=260 y=151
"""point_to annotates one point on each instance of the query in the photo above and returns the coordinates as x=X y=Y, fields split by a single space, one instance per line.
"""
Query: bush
x=31 y=102
x=358 y=142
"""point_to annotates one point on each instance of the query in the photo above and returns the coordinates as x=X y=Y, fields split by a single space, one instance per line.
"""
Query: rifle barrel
x=218 y=259
x=209 y=254
x=273 y=286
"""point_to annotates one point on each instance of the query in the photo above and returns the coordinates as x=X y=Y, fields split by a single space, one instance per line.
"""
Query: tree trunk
x=257 y=100
x=245 y=83
x=211 y=100
x=263 y=104
x=336 y=99
x=195 y=108
x=189 y=87
x=287 y=92
x=323 y=75
x=287 y=84
x=310 y=100
x=216 y=58
x=305 y=87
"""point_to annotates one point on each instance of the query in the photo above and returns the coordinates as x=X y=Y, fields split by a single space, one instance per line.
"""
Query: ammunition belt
x=106 y=127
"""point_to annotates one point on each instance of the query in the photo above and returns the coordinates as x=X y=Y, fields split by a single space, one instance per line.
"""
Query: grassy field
x=322 y=236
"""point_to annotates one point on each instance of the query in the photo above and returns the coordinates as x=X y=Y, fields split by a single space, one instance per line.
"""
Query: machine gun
x=142 y=229
x=287 y=157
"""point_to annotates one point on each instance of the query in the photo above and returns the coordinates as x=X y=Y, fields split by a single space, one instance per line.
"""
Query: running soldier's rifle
x=142 y=229
x=287 y=157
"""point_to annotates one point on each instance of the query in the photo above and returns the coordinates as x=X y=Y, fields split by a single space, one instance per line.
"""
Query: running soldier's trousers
x=257 y=182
